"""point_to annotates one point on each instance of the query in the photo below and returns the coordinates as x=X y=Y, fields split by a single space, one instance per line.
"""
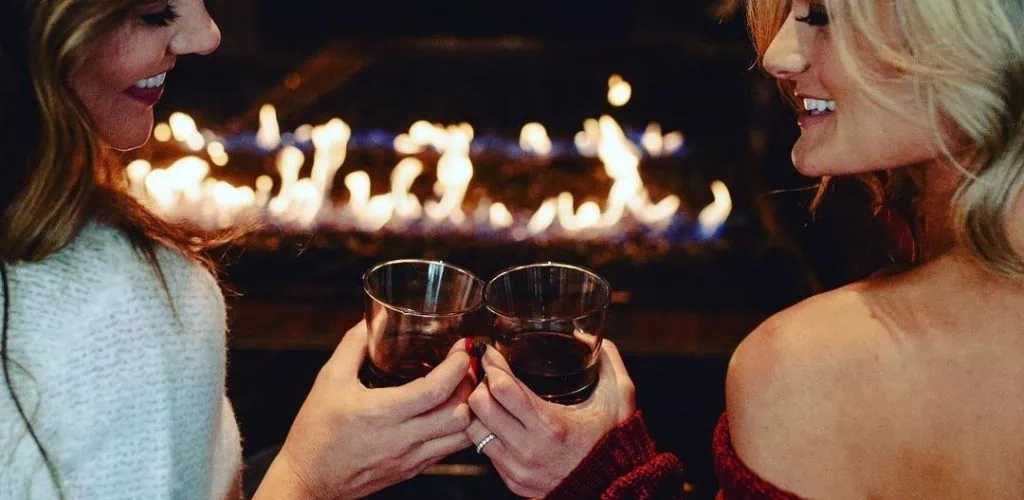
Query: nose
x=198 y=34
x=785 y=58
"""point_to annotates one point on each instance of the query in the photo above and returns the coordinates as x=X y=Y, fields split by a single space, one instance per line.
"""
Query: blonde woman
x=113 y=330
x=908 y=385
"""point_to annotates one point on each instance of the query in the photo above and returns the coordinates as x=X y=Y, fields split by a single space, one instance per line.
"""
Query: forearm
x=281 y=482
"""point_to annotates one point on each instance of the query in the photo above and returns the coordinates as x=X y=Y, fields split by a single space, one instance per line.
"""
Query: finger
x=351 y=351
x=509 y=391
x=611 y=358
x=495 y=450
x=520 y=489
x=429 y=392
x=502 y=458
x=492 y=415
x=450 y=418
x=614 y=379
x=435 y=450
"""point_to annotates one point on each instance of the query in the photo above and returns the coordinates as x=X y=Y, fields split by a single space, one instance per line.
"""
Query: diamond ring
x=487 y=440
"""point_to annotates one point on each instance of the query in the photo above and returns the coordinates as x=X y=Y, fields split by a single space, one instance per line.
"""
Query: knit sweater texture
x=122 y=379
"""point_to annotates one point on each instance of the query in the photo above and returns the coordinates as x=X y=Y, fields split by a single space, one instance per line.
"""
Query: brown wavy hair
x=57 y=172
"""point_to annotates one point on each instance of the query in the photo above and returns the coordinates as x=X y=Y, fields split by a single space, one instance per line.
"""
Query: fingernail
x=468 y=344
x=475 y=356
x=478 y=365
x=476 y=368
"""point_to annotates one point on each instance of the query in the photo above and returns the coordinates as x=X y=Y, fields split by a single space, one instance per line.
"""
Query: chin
x=809 y=167
x=129 y=137
x=128 y=144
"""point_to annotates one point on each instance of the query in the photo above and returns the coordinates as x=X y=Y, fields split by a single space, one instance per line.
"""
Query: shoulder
x=98 y=257
x=107 y=253
x=790 y=380
x=100 y=279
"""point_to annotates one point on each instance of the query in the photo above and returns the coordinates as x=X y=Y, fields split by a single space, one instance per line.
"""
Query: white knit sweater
x=126 y=396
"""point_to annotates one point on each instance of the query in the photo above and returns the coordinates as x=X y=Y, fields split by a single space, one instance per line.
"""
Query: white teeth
x=152 y=82
x=818 y=106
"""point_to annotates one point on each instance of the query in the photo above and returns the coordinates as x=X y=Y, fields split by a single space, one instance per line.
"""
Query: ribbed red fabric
x=624 y=465
x=735 y=480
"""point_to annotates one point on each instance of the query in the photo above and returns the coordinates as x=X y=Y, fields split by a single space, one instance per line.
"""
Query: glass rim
x=606 y=300
x=412 y=312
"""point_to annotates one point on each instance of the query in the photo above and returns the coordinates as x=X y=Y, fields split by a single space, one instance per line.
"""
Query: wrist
x=283 y=482
x=624 y=448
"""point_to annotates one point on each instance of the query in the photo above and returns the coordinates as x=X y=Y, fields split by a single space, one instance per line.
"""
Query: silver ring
x=487 y=440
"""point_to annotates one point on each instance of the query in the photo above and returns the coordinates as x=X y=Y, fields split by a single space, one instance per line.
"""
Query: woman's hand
x=349 y=441
x=538 y=444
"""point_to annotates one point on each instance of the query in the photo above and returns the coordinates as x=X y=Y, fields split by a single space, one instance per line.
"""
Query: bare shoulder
x=783 y=385
x=847 y=394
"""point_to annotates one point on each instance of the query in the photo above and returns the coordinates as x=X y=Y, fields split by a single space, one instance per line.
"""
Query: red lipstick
x=148 y=96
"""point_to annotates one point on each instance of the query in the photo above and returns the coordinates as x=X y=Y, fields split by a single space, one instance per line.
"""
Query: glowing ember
x=137 y=172
x=534 y=139
x=304 y=133
x=162 y=132
x=500 y=217
x=358 y=185
x=183 y=129
x=652 y=140
x=588 y=215
x=715 y=214
x=217 y=154
x=268 y=136
x=331 y=143
x=454 y=172
x=264 y=184
x=619 y=91
x=543 y=217
x=673 y=142
x=405 y=145
x=406 y=205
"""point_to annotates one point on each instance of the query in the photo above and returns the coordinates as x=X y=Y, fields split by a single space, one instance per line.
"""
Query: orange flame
x=184 y=189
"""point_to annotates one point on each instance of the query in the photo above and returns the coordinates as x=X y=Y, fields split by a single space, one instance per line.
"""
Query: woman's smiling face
x=843 y=130
x=124 y=75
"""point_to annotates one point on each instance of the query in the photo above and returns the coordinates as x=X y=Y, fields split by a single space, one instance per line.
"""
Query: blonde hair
x=965 y=61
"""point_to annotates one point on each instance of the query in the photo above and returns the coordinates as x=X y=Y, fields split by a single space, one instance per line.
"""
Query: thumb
x=429 y=392
x=614 y=380
x=351 y=352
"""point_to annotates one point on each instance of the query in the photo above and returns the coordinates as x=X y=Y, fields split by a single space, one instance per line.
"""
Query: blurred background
x=657 y=99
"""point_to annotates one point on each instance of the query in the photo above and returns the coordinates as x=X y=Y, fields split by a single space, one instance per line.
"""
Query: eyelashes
x=816 y=16
x=161 y=19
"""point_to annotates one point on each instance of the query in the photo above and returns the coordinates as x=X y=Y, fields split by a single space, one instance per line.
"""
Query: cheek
x=126 y=130
x=866 y=141
x=113 y=66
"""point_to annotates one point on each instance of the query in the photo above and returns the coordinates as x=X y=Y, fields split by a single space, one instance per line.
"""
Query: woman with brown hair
x=113 y=328
x=906 y=385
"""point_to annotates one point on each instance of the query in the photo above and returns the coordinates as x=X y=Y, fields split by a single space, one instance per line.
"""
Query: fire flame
x=185 y=190
x=268 y=136
x=714 y=215
x=162 y=132
x=619 y=91
x=183 y=129
x=534 y=139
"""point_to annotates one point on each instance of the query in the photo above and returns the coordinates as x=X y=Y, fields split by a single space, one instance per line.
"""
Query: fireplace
x=627 y=137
